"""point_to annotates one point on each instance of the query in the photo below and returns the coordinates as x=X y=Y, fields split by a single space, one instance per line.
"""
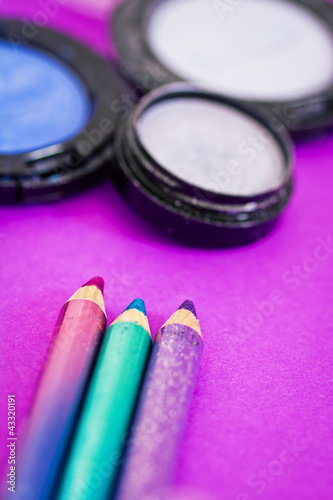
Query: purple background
x=266 y=380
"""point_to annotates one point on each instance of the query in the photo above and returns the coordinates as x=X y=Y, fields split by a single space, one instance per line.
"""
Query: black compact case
x=110 y=142
x=145 y=71
x=190 y=213
x=52 y=172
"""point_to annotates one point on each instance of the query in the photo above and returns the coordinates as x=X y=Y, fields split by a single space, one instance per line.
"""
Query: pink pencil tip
x=97 y=281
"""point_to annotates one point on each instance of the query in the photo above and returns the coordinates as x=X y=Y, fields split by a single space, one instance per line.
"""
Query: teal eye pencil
x=102 y=430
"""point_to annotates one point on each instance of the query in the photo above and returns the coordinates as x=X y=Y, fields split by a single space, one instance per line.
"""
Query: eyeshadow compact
x=205 y=168
x=59 y=103
x=277 y=53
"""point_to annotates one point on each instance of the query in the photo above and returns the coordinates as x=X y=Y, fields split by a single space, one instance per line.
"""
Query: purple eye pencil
x=163 y=407
x=70 y=357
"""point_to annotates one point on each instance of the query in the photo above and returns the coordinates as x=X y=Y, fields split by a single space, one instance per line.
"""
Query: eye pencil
x=70 y=358
x=163 y=407
x=102 y=431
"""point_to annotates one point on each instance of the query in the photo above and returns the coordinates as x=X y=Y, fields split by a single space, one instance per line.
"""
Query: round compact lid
x=59 y=104
x=274 y=52
x=205 y=166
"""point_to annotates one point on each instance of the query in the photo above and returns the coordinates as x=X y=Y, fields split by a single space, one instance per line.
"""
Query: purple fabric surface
x=261 y=417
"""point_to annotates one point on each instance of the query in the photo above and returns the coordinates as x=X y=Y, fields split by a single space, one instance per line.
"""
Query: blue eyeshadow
x=60 y=104
x=42 y=102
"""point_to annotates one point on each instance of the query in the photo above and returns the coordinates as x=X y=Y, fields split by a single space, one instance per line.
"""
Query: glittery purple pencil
x=163 y=407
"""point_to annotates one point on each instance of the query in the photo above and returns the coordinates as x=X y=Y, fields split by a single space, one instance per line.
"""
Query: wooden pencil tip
x=97 y=281
x=185 y=315
x=189 y=306
x=134 y=313
x=137 y=304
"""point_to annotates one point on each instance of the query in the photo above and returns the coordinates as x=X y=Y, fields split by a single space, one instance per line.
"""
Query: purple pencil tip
x=97 y=281
x=188 y=304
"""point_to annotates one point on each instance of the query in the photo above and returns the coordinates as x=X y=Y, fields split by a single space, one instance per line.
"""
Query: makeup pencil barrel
x=163 y=407
x=102 y=431
x=77 y=335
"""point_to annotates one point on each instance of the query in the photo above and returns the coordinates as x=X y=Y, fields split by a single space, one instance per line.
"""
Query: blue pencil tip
x=137 y=304
x=189 y=306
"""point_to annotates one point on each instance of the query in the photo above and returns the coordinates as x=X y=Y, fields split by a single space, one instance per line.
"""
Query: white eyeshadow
x=212 y=146
x=256 y=49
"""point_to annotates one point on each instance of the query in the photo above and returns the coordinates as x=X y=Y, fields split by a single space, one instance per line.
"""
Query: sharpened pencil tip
x=185 y=315
x=97 y=281
x=189 y=306
x=137 y=304
x=134 y=313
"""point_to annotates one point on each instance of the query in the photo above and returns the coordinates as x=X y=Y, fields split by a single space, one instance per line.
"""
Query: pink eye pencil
x=70 y=358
